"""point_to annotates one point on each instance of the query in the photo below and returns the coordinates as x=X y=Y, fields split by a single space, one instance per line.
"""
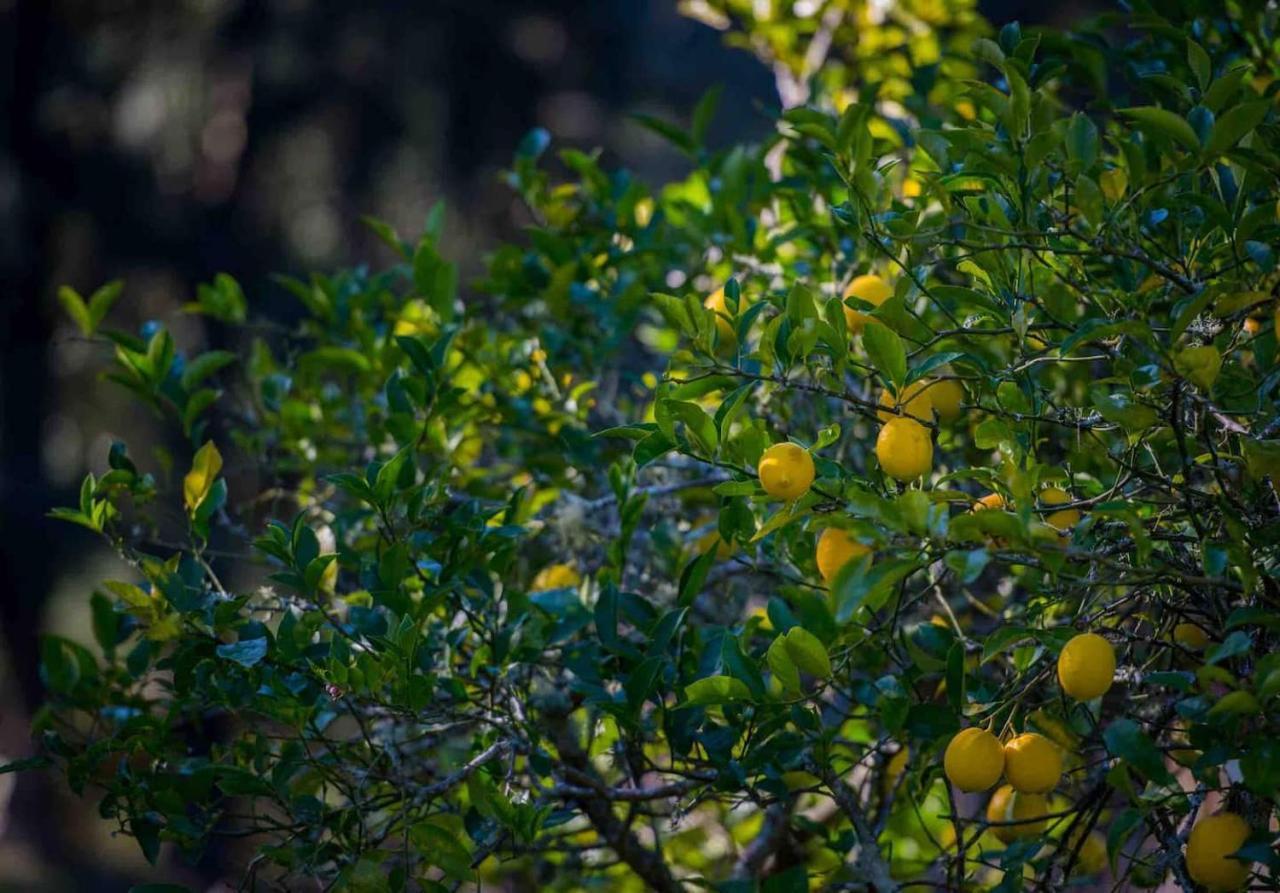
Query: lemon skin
x=1213 y=839
x=973 y=760
x=786 y=471
x=836 y=548
x=1086 y=667
x=904 y=449
x=869 y=288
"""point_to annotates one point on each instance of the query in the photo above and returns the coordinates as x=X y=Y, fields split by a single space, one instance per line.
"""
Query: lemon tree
x=886 y=503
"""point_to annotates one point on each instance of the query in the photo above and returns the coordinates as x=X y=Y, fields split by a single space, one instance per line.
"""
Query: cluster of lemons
x=976 y=759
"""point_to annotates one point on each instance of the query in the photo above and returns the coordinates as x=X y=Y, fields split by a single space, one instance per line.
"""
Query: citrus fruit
x=869 y=288
x=904 y=449
x=1010 y=805
x=1086 y=667
x=555 y=576
x=1213 y=839
x=1091 y=855
x=990 y=501
x=913 y=401
x=1064 y=519
x=894 y=768
x=1032 y=763
x=835 y=549
x=974 y=760
x=716 y=303
x=786 y=471
x=947 y=396
x=1188 y=635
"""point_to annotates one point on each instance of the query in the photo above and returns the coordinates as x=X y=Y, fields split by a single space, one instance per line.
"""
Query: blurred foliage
x=528 y=616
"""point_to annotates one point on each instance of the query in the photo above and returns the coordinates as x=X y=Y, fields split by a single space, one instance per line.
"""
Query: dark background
x=163 y=142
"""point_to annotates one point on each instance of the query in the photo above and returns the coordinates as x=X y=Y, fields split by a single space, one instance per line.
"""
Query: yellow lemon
x=1252 y=326
x=990 y=501
x=1010 y=805
x=836 y=549
x=716 y=303
x=1086 y=667
x=1212 y=841
x=1188 y=635
x=786 y=471
x=904 y=449
x=869 y=288
x=555 y=576
x=894 y=768
x=1064 y=519
x=1032 y=764
x=974 y=760
x=1091 y=856
x=946 y=395
x=913 y=400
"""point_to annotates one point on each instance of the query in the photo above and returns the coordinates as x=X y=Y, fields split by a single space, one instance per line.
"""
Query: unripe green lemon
x=974 y=760
x=786 y=471
x=1086 y=667
x=1032 y=764
x=1213 y=839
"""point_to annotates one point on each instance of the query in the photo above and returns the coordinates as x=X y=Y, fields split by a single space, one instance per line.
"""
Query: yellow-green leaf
x=204 y=471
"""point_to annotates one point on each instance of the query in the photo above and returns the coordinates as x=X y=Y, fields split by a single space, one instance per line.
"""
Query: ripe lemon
x=904 y=449
x=913 y=400
x=894 y=768
x=555 y=576
x=1252 y=325
x=836 y=549
x=974 y=760
x=1092 y=854
x=1188 y=635
x=1032 y=764
x=1086 y=667
x=1213 y=839
x=1064 y=519
x=947 y=395
x=716 y=302
x=869 y=288
x=990 y=501
x=1010 y=805
x=786 y=471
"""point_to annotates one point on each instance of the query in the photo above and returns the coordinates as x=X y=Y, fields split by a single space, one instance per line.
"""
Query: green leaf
x=784 y=669
x=1234 y=125
x=1126 y=739
x=704 y=111
x=24 y=765
x=887 y=352
x=102 y=300
x=716 y=690
x=199 y=480
x=205 y=365
x=807 y=652
x=1161 y=122
x=247 y=652
x=1200 y=64
x=76 y=309
x=1082 y=142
